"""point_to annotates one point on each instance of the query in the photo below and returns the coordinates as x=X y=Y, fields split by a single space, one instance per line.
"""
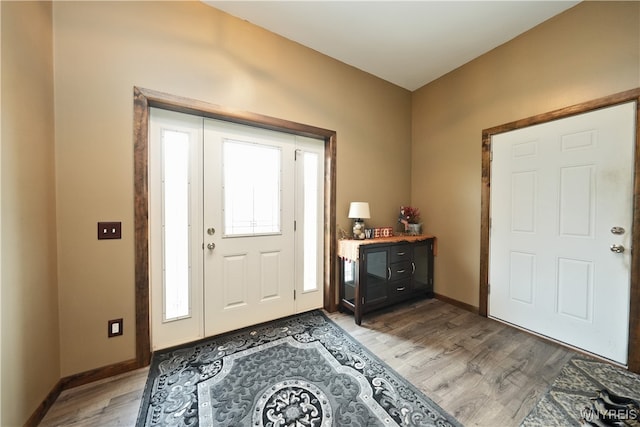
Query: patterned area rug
x=298 y=371
x=571 y=395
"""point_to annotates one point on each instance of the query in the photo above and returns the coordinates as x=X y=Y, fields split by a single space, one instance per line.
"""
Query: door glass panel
x=175 y=226
x=251 y=187
x=421 y=266
x=349 y=279
x=376 y=266
x=310 y=183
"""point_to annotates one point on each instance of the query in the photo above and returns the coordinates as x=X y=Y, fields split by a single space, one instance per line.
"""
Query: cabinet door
x=376 y=275
x=348 y=285
x=423 y=267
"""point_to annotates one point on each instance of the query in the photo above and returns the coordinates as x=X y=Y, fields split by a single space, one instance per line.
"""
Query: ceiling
x=408 y=43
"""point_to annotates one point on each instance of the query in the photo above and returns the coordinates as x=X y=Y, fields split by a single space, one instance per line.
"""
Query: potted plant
x=410 y=217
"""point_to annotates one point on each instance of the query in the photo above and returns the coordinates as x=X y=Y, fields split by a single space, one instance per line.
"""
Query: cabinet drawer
x=400 y=289
x=400 y=253
x=400 y=270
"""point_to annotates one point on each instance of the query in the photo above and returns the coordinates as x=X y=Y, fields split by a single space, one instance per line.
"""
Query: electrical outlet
x=109 y=230
x=115 y=327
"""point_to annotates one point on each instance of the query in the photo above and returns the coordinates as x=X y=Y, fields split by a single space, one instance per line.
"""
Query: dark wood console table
x=376 y=273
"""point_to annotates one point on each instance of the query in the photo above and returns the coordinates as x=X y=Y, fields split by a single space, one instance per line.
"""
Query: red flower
x=412 y=215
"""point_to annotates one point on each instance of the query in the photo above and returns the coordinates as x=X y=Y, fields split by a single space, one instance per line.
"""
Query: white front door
x=249 y=221
x=561 y=217
x=236 y=221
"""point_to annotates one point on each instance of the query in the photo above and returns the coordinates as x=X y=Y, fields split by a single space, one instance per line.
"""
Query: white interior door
x=236 y=226
x=557 y=263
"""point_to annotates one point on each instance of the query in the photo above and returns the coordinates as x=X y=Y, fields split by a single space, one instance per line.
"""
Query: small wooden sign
x=383 y=232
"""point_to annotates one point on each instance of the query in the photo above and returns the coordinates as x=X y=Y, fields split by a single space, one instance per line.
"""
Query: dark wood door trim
x=143 y=99
x=619 y=98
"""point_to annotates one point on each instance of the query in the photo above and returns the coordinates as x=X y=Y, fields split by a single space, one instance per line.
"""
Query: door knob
x=617 y=249
x=212 y=246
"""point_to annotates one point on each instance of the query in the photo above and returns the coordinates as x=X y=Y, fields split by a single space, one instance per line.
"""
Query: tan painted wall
x=0 y=215
x=189 y=49
x=30 y=346
x=186 y=48
x=590 y=51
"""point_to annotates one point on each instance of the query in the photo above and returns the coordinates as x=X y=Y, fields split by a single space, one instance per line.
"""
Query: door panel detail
x=270 y=275
x=577 y=201
x=579 y=140
x=522 y=278
x=523 y=192
x=234 y=280
x=575 y=288
x=524 y=149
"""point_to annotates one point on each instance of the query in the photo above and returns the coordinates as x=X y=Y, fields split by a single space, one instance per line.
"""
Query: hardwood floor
x=105 y=403
x=482 y=372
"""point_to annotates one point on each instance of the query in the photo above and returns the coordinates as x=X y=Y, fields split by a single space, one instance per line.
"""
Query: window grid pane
x=251 y=185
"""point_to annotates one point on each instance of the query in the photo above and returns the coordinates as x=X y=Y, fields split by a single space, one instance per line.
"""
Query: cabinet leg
x=358 y=319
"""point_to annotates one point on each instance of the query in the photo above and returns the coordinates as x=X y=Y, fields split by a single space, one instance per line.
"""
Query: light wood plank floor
x=482 y=372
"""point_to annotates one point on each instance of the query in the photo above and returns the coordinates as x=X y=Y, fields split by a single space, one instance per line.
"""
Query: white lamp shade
x=359 y=210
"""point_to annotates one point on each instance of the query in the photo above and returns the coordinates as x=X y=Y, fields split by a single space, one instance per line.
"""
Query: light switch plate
x=109 y=230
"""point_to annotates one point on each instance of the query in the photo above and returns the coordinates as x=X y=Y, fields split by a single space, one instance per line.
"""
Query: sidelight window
x=176 y=227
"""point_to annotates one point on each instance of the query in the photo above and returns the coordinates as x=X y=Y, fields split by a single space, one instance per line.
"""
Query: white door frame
x=634 y=309
x=143 y=99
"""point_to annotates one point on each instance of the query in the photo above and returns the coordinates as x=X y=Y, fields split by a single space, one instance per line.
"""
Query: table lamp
x=359 y=211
